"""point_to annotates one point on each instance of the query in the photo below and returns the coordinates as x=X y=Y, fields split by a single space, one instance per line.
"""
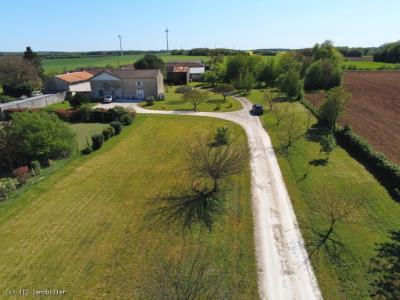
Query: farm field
x=173 y=101
x=342 y=178
x=60 y=65
x=84 y=228
x=374 y=110
x=368 y=65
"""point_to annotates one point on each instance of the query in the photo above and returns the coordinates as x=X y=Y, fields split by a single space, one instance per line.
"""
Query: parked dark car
x=257 y=110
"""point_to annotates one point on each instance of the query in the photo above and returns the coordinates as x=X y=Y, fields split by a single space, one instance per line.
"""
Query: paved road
x=284 y=270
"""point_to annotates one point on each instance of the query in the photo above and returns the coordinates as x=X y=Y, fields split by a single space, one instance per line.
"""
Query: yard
x=312 y=187
x=83 y=229
x=173 y=101
x=84 y=132
x=60 y=65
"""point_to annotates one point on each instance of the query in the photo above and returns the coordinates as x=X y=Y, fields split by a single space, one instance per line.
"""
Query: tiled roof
x=133 y=74
x=74 y=77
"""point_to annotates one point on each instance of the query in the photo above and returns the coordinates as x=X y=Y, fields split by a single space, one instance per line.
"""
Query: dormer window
x=139 y=83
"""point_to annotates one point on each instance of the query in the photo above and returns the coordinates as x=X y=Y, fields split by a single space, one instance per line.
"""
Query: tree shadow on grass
x=316 y=131
x=217 y=101
x=319 y=162
x=187 y=207
x=175 y=102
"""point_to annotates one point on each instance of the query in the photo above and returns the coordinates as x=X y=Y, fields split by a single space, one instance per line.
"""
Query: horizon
x=89 y=26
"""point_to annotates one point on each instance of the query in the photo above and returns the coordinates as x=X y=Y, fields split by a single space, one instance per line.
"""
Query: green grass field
x=86 y=130
x=83 y=228
x=61 y=65
x=368 y=65
x=173 y=101
x=343 y=178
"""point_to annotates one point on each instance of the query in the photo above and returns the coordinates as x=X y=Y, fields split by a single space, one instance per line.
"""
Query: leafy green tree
x=78 y=99
x=150 y=61
x=389 y=53
x=286 y=62
x=225 y=89
x=18 y=76
x=322 y=74
x=211 y=77
x=35 y=59
x=242 y=65
x=327 y=143
x=245 y=81
x=195 y=97
x=334 y=106
x=41 y=136
x=268 y=97
x=267 y=73
x=291 y=84
x=327 y=51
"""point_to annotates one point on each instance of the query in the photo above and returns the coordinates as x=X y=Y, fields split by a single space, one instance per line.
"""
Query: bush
x=126 y=120
x=35 y=166
x=6 y=99
x=97 y=141
x=18 y=90
x=149 y=101
x=6 y=187
x=111 y=130
x=385 y=170
x=118 y=112
x=69 y=115
x=85 y=113
x=117 y=127
x=78 y=99
x=183 y=89
x=86 y=151
x=221 y=137
x=322 y=74
x=291 y=84
x=21 y=174
x=107 y=134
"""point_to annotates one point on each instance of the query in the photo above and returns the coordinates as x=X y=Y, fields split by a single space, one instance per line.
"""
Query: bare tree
x=295 y=129
x=195 y=97
x=268 y=97
x=335 y=212
x=216 y=162
x=279 y=113
x=188 y=275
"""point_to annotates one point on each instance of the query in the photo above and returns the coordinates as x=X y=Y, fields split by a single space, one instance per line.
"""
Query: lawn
x=61 y=65
x=84 y=131
x=83 y=229
x=173 y=101
x=64 y=105
x=342 y=178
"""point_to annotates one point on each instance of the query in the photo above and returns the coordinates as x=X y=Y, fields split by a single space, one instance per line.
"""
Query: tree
x=322 y=74
x=279 y=113
x=221 y=137
x=8 y=148
x=189 y=274
x=327 y=51
x=327 y=143
x=389 y=53
x=150 y=61
x=294 y=128
x=18 y=76
x=224 y=89
x=334 y=106
x=385 y=269
x=245 y=81
x=216 y=163
x=34 y=58
x=242 y=65
x=268 y=97
x=286 y=62
x=211 y=77
x=78 y=99
x=267 y=73
x=291 y=84
x=195 y=97
x=41 y=136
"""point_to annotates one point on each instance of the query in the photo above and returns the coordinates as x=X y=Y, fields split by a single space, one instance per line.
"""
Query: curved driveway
x=284 y=270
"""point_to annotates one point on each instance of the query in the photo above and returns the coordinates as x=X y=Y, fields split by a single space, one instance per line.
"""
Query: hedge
x=386 y=171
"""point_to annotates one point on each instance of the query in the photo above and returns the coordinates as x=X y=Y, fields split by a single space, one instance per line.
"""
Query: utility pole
x=166 y=33
x=120 y=44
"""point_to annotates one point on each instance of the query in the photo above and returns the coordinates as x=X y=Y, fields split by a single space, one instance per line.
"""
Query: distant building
x=181 y=72
x=69 y=82
x=128 y=84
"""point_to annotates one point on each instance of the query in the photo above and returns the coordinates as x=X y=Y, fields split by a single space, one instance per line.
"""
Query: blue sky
x=86 y=25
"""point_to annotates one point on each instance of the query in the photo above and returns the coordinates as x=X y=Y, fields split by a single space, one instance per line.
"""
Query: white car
x=108 y=99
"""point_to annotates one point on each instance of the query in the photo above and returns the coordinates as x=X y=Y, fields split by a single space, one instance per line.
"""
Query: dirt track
x=374 y=111
x=284 y=270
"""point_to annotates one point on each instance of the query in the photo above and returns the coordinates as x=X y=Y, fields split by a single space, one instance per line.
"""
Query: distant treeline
x=389 y=53
x=205 y=52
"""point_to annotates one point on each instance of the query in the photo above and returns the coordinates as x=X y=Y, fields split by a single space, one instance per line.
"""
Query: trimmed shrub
x=84 y=113
x=86 y=151
x=21 y=174
x=106 y=134
x=35 y=167
x=6 y=187
x=111 y=130
x=117 y=127
x=97 y=140
x=384 y=169
x=78 y=99
x=149 y=100
x=126 y=120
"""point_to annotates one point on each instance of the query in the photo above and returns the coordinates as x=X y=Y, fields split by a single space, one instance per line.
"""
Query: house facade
x=128 y=84
x=72 y=82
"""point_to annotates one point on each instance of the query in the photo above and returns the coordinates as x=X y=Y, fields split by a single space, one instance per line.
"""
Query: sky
x=87 y=25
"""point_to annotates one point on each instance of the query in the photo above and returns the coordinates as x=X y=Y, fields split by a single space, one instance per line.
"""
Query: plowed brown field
x=374 y=110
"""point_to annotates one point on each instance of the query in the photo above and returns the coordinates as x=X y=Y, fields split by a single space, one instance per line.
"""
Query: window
x=139 y=93
x=139 y=83
x=101 y=93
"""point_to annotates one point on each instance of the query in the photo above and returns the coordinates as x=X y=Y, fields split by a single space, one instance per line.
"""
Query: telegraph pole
x=120 y=44
x=166 y=33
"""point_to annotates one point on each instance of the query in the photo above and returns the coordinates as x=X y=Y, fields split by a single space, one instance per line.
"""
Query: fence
x=33 y=102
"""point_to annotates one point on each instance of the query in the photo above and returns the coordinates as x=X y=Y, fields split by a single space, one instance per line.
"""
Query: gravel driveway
x=284 y=270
